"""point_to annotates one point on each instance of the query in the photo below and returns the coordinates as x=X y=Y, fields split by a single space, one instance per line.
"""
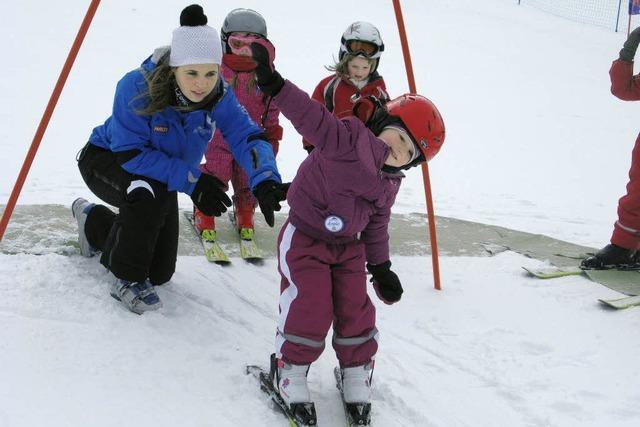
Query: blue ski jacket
x=170 y=144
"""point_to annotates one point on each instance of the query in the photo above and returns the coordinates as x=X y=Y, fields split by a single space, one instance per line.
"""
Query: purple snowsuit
x=340 y=204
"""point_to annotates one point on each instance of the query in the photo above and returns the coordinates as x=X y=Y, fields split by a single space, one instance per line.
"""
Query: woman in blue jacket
x=164 y=114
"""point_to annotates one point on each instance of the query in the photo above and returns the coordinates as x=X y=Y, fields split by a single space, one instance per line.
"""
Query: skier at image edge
x=355 y=74
x=240 y=28
x=150 y=149
x=623 y=251
x=340 y=205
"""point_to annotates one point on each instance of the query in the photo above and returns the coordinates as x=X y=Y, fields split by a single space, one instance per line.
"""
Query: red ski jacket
x=338 y=94
x=624 y=84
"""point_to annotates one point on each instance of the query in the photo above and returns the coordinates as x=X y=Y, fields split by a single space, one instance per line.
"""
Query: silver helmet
x=243 y=20
x=361 y=31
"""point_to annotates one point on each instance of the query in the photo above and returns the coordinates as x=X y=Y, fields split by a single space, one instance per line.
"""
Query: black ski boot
x=612 y=257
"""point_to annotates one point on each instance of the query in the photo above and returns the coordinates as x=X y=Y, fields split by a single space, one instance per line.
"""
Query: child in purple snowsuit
x=340 y=205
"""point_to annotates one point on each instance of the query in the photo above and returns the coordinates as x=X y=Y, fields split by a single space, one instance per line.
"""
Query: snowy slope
x=494 y=349
x=535 y=142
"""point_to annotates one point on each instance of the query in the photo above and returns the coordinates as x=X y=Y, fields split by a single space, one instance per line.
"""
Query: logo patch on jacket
x=161 y=129
x=333 y=223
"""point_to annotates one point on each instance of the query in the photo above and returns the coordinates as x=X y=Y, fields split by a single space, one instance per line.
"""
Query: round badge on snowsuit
x=333 y=223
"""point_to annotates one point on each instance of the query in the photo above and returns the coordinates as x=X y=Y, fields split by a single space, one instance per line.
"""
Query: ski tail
x=553 y=272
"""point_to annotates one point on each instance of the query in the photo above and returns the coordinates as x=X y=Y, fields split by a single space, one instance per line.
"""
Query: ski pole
x=425 y=167
x=46 y=117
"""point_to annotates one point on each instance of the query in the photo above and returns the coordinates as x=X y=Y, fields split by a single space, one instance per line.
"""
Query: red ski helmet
x=422 y=120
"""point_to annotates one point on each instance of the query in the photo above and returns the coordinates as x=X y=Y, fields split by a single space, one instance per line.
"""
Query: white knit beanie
x=194 y=42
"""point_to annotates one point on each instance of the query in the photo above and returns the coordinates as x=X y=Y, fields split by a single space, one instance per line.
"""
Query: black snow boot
x=612 y=257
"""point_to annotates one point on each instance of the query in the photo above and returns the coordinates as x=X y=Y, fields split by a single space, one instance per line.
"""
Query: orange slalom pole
x=46 y=117
x=425 y=168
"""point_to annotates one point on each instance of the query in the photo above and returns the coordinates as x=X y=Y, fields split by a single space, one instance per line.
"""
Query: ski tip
x=253 y=370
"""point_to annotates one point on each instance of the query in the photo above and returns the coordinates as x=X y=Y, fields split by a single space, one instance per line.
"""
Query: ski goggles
x=359 y=47
x=240 y=44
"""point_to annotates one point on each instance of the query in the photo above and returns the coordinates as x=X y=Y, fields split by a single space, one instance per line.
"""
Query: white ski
x=553 y=272
x=620 y=303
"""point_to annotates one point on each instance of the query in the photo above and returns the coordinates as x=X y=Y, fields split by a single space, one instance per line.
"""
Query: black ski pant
x=141 y=241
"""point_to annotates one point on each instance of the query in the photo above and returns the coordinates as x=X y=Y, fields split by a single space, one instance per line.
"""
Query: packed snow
x=535 y=142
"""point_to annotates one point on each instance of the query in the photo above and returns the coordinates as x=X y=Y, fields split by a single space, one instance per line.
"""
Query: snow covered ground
x=535 y=142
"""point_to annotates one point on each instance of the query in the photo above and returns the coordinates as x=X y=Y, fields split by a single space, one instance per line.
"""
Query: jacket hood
x=158 y=56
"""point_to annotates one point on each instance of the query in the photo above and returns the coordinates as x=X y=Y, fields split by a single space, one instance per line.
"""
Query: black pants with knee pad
x=141 y=241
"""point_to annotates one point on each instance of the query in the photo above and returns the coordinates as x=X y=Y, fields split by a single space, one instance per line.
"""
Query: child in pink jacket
x=240 y=28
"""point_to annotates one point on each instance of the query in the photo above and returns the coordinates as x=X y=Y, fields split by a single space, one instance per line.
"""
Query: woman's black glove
x=628 y=52
x=209 y=195
x=269 y=80
x=385 y=282
x=269 y=194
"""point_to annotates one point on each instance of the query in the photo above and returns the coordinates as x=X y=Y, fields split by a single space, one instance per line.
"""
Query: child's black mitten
x=269 y=80
x=385 y=282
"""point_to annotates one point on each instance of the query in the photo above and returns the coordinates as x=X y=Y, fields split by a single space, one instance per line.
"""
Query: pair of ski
x=249 y=250
x=304 y=414
x=553 y=272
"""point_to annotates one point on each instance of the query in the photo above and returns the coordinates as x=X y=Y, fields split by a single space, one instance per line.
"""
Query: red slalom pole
x=46 y=117
x=425 y=168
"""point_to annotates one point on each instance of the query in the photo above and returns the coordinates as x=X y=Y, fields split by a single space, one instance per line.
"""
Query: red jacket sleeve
x=624 y=84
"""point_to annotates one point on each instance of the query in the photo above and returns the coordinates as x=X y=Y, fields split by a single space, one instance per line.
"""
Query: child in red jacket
x=355 y=74
x=624 y=250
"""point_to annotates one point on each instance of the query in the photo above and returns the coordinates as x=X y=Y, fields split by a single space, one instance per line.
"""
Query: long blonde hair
x=341 y=68
x=250 y=86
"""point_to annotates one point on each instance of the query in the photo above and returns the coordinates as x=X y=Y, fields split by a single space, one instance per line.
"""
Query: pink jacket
x=254 y=101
